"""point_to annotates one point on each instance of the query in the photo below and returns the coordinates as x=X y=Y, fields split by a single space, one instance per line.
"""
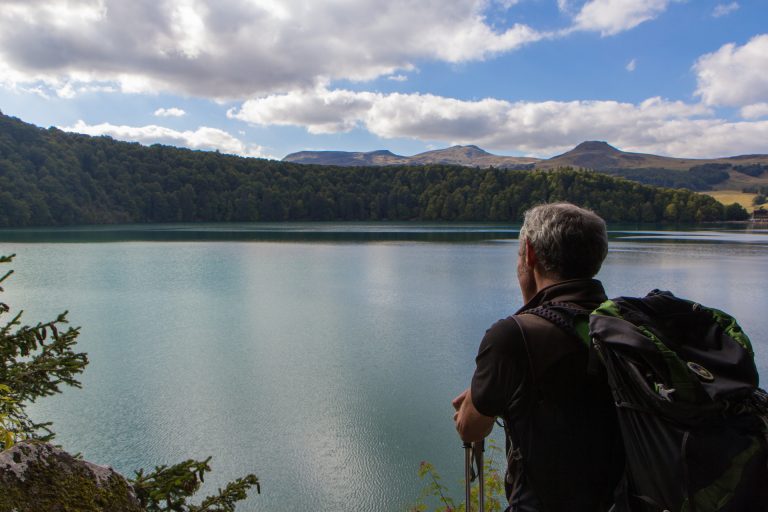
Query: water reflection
x=351 y=231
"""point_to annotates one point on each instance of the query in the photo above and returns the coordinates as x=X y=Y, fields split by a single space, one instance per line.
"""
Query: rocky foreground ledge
x=36 y=477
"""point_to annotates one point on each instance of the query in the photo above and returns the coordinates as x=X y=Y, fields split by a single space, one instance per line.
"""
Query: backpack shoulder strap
x=570 y=317
x=574 y=321
x=531 y=367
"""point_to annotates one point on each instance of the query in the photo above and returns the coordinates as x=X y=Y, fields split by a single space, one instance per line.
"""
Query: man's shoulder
x=510 y=329
x=504 y=335
x=506 y=327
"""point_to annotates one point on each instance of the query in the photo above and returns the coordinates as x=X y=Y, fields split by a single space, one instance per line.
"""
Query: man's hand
x=456 y=402
x=470 y=423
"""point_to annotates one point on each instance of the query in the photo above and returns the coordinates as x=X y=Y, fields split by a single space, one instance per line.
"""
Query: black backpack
x=693 y=421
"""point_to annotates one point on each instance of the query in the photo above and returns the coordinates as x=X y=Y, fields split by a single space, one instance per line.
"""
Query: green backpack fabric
x=692 y=417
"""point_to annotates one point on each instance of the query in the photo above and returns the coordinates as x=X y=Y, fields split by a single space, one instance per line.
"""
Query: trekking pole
x=467 y=475
x=473 y=452
x=479 y=449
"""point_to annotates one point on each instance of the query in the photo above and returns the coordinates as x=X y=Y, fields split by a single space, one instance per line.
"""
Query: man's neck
x=540 y=281
x=545 y=282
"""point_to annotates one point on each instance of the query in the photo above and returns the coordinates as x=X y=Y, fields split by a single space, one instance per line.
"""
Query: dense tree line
x=753 y=170
x=756 y=189
x=48 y=177
x=699 y=177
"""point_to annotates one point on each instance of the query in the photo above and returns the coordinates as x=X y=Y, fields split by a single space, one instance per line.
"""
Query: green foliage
x=735 y=211
x=433 y=490
x=758 y=200
x=11 y=425
x=36 y=360
x=754 y=189
x=434 y=495
x=699 y=177
x=753 y=170
x=48 y=177
x=168 y=488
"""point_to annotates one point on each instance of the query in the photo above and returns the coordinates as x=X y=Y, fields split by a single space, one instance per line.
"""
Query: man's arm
x=471 y=424
x=500 y=372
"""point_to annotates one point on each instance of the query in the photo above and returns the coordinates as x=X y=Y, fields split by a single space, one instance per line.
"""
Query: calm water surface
x=323 y=358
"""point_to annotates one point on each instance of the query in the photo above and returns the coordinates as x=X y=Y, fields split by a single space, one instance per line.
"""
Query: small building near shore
x=760 y=215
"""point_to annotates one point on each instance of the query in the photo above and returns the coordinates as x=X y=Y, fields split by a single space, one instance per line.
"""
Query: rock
x=36 y=477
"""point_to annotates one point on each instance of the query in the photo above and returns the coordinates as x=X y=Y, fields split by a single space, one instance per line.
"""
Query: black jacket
x=559 y=416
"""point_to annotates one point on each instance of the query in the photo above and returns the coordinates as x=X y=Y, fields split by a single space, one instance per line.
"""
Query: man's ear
x=530 y=255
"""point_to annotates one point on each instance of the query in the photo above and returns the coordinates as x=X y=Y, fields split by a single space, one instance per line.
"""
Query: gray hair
x=569 y=242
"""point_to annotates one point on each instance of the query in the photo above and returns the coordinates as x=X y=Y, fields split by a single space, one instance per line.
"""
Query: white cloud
x=429 y=117
x=754 y=111
x=320 y=111
x=507 y=4
x=169 y=112
x=655 y=125
x=609 y=17
x=187 y=24
x=631 y=65
x=69 y=90
x=39 y=91
x=709 y=138
x=564 y=6
x=397 y=78
x=734 y=75
x=203 y=138
x=238 y=48
x=724 y=9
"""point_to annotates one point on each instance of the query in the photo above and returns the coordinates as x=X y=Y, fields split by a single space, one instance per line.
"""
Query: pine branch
x=167 y=489
x=232 y=493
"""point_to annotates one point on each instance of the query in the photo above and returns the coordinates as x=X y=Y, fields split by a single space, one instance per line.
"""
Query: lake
x=321 y=357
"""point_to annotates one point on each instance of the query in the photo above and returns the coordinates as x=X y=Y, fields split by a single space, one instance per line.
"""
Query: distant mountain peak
x=461 y=152
x=469 y=155
x=469 y=146
x=472 y=149
x=595 y=145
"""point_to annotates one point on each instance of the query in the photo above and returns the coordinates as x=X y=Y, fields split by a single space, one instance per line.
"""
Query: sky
x=265 y=78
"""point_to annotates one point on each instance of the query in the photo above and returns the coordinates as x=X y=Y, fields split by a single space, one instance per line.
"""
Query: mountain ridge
x=468 y=156
x=733 y=172
x=593 y=154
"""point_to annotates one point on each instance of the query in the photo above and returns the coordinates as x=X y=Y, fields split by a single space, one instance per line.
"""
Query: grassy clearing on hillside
x=733 y=196
x=739 y=181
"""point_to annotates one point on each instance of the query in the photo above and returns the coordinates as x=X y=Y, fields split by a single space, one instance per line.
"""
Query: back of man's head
x=569 y=242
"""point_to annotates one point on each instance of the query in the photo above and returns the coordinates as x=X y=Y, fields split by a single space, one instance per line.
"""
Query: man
x=563 y=443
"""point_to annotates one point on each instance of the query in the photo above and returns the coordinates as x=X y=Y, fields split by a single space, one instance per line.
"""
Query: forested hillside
x=49 y=177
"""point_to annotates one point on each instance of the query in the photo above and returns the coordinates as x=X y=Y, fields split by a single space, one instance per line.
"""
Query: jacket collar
x=582 y=291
